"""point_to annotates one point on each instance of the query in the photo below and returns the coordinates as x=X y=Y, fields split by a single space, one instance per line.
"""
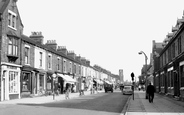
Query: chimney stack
x=83 y=60
x=62 y=49
x=78 y=58
x=52 y=44
x=88 y=62
x=71 y=54
x=37 y=37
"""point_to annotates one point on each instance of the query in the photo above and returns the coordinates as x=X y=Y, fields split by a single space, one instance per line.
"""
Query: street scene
x=99 y=57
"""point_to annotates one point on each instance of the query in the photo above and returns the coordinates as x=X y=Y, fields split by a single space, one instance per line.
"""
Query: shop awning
x=67 y=78
x=108 y=82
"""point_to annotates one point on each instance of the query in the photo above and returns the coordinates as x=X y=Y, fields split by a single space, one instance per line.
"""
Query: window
x=70 y=67
x=64 y=66
x=58 y=61
x=27 y=55
x=11 y=19
x=49 y=61
x=13 y=82
x=12 y=46
x=41 y=55
x=79 y=69
x=179 y=45
x=169 y=54
x=173 y=50
x=75 y=71
x=172 y=79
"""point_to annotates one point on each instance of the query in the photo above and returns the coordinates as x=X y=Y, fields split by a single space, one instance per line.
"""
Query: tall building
x=121 y=75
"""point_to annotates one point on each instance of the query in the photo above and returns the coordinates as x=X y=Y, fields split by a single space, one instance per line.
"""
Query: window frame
x=12 y=19
x=41 y=58
x=13 y=45
x=58 y=63
x=13 y=82
x=49 y=61
x=28 y=55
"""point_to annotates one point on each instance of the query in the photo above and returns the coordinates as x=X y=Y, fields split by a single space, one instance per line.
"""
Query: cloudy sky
x=109 y=33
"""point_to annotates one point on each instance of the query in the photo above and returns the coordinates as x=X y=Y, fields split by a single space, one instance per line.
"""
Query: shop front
x=49 y=82
x=40 y=82
x=27 y=81
x=181 y=73
x=64 y=79
x=10 y=81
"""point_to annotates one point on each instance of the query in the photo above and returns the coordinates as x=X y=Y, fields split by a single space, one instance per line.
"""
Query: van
x=108 y=87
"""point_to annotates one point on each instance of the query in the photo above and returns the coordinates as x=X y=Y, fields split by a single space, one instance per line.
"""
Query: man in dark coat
x=150 y=91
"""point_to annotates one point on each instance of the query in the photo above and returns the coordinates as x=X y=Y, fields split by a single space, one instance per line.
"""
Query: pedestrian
x=150 y=90
x=68 y=90
x=82 y=88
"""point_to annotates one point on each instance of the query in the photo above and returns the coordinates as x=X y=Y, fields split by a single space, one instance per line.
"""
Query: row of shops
x=19 y=82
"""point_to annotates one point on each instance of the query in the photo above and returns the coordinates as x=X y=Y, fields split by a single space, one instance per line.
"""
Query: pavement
x=44 y=99
x=162 y=105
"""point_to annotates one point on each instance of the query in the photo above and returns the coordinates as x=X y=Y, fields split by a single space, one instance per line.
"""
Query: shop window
x=26 y=82
x=49 y=81
x=182 y=76
x=172 y=79
x=169 y=79
x=13 y=82
x=41 y=79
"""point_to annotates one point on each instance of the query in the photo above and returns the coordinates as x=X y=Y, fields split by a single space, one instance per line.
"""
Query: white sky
x=109 y=33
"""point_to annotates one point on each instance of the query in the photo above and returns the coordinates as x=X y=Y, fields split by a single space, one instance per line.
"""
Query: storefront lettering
x=11 y=67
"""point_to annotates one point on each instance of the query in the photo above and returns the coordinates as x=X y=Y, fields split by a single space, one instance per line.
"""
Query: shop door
x=176 y=83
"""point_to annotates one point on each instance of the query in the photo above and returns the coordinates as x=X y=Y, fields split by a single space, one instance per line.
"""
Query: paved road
x=98 y=104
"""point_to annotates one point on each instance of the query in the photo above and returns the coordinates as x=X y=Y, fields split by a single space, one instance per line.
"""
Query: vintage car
x=127 y=89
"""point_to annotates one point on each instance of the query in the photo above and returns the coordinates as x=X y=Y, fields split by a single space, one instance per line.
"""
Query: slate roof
x=29 y=40
x=3 y=5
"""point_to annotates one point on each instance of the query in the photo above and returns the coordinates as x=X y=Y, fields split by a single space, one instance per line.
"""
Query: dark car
x=108 y=87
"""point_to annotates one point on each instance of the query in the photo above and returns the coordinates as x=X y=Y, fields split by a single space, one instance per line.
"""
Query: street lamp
x=146 y=58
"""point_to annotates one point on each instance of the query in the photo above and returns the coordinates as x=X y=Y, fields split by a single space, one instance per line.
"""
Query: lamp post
x=146 y=58
x=54 y=77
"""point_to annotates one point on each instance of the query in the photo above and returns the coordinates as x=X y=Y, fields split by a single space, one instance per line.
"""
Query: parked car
x=127 y=89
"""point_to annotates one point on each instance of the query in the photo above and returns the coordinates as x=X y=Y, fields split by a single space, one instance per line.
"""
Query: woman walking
x=68 y=90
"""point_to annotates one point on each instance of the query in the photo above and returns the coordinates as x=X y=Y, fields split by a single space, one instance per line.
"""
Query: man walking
x=150 y=90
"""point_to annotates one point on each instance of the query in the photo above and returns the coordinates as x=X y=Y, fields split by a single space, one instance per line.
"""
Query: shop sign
x=12 y=67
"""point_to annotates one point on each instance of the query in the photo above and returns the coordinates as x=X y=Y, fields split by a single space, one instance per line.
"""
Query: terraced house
x=11 y=28
x=170 y=75
x=28 y=65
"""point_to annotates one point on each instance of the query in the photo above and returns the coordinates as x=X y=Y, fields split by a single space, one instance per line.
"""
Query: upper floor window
x=11 y=19
x=49 y=61
x=70 y=67
x=179 y=45
x=64 y=66
x=58 y=61
x=27 y=55
x=13 y=46
x=75 y=68
x=173 y=50
x=41 y=56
